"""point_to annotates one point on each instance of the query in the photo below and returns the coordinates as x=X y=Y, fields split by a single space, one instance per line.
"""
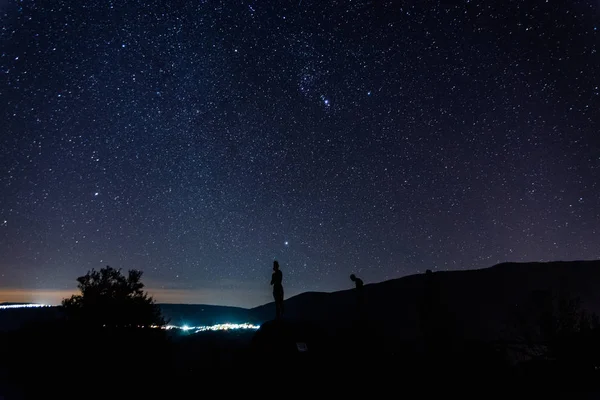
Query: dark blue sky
x=198 y=141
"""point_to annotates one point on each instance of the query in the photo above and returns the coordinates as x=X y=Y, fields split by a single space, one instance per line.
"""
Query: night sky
x=200 y=140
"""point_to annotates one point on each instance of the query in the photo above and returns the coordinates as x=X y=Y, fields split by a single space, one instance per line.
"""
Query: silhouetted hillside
x=322 y=335
x=475 y=304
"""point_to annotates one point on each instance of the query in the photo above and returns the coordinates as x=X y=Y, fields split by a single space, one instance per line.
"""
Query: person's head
x=275 y=265
x=352 y=277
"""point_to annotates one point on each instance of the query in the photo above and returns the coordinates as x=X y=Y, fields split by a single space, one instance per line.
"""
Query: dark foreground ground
x=55 y=361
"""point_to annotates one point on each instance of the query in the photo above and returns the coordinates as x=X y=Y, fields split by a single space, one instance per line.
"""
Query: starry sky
x=200 y=140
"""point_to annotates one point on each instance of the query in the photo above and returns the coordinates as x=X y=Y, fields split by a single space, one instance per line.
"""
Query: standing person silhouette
x=359 y=290
x=276 y=279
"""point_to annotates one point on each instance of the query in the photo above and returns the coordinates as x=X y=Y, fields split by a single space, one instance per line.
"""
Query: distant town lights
x=218 y=327
x=7 y=306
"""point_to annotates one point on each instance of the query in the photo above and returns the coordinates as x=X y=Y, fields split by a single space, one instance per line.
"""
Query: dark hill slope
x=475 y=304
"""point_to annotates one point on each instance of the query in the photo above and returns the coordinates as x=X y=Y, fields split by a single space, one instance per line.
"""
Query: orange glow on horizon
x=226 y=297
x=41 y=296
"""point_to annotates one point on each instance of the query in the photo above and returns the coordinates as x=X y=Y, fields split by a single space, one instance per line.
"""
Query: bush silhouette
x=109 y=299
x=556 y=329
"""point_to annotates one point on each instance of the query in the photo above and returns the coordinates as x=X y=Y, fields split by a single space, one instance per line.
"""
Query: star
x=214 y=134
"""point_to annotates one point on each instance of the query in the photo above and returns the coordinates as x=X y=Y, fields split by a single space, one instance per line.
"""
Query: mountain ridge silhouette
x=480 y=302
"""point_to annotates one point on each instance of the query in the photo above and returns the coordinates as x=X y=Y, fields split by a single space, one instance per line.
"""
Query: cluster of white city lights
x=217 y=327
x=9 y=306
x=227 y=327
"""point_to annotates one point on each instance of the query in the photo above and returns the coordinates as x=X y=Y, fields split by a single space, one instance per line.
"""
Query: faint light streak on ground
x=8 y=306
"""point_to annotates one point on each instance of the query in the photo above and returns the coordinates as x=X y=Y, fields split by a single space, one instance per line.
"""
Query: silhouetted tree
x=110 y=299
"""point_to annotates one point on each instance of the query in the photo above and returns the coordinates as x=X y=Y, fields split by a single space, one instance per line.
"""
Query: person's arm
x=272 y=278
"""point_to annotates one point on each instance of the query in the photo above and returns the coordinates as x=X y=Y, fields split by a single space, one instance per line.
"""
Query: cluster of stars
x=198 y=143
